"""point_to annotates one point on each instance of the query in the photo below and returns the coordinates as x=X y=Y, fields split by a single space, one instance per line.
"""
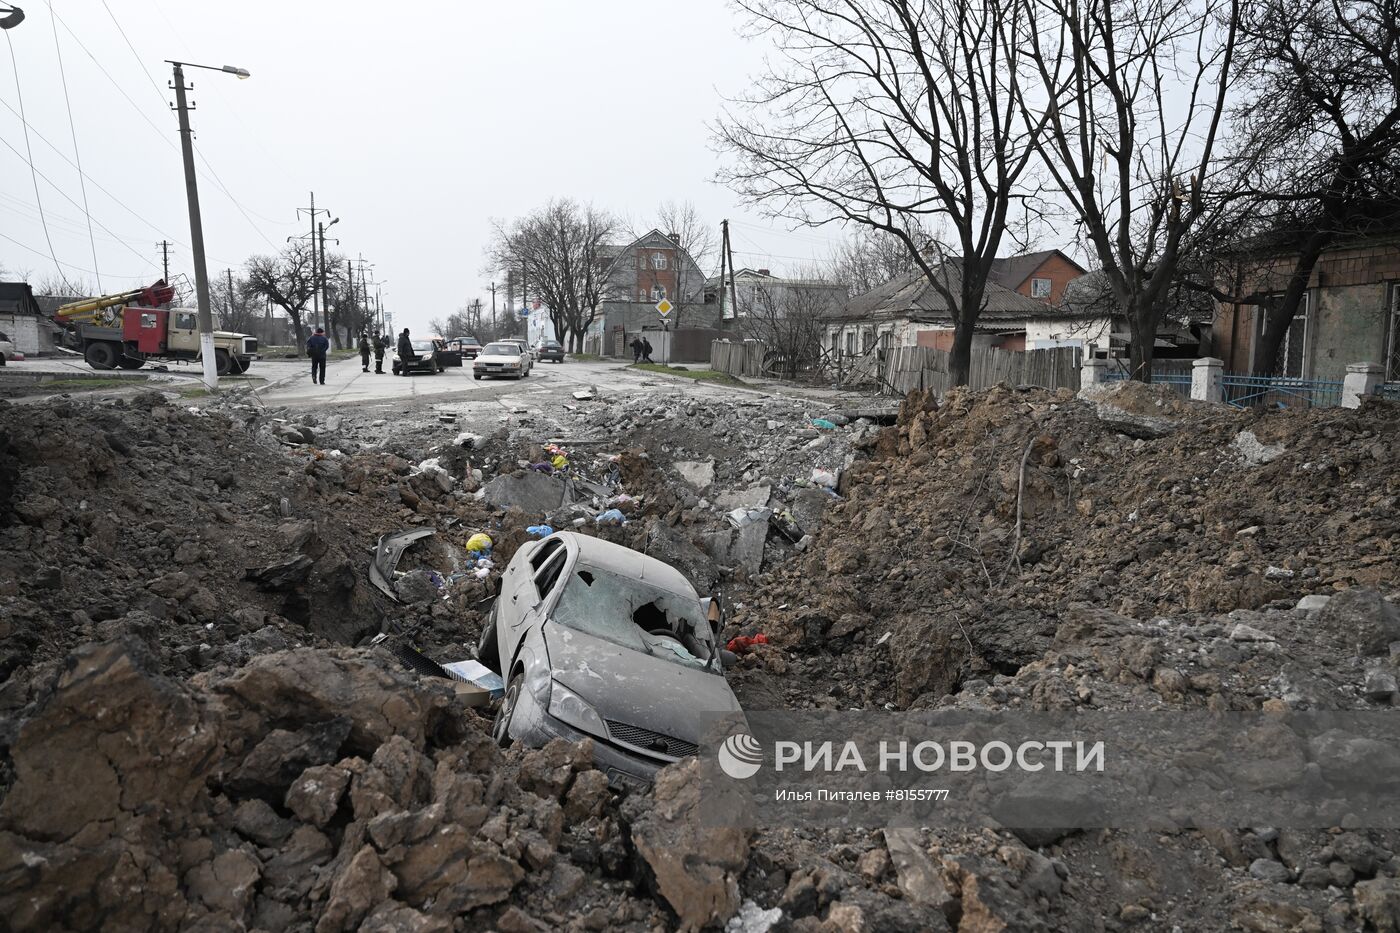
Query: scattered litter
x=479 y=542
x=741 y=518
x=742 y=643
x=540 y=531
x=1278 y=573
x=477 y=674
x=826 y=478
x=823 y=424
x=753 y=919
x=883 y=638
x=610 y=517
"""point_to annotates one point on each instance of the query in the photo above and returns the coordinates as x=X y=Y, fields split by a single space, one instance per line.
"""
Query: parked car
x=426 y=360
x=548 y=350
x=469 y=346
x=595 y=639
x=7 y=348
x=502 y=358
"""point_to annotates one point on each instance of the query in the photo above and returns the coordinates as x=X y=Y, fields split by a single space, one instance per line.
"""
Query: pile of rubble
x=174 y=584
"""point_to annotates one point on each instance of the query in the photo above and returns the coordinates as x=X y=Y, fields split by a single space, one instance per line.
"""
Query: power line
x=149 y=77
x=218 y=183
x=77 y=154
x=37 y=252
x=33 y=172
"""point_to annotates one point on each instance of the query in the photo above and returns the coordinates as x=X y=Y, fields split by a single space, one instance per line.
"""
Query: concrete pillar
x=1092 y=372
x=1362 y=379
x=1207 y=380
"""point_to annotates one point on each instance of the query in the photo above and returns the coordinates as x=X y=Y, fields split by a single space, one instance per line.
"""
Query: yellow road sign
x=664 y=307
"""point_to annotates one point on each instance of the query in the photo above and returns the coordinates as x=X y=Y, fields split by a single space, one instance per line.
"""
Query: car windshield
x=469 y=342
x=550 y=343
x=501 y=349
x=637 y=615
x=423 y=346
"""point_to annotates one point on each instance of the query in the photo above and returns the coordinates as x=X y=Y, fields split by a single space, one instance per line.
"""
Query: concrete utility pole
x=165 y=258
x=229 y=273
x=201 y=275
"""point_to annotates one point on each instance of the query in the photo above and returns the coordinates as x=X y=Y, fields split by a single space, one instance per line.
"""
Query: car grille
x=250 y=345
x=650 y=740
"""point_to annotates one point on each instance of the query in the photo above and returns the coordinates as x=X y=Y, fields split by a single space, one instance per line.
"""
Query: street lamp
x=201 y=274
x=10 y=16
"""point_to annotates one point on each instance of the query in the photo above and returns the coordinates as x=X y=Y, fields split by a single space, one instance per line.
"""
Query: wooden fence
x=907 y=368
x=738 y=358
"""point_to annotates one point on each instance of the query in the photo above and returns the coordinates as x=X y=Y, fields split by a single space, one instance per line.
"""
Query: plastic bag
x=540 y=531
x=823 y=424
x=610 y=517
x=825 y=478
x=479 y=542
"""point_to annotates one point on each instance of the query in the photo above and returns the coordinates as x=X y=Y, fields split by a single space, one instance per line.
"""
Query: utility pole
x=321 y=228
x=317 y=267
x=229 y=273
x=350 y=280
x=201 y=275
x=165 y=258
x=493 y=306
x=728 y=254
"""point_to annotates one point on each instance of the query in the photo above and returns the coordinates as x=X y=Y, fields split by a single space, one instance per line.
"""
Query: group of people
x=641 y=350
x=318 y=345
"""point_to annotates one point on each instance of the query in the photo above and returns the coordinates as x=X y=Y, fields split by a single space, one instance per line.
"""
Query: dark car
x=549 y=350
x=469 y=347
x=425 y=359
x=447 y=354
x=597 y=640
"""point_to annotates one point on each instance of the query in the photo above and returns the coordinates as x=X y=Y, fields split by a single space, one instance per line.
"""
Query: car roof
x=625 y=562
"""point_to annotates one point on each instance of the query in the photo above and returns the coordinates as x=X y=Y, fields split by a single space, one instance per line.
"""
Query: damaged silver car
x=595 y=639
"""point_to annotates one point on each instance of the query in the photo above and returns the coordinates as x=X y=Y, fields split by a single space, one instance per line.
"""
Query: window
x=658 y=260
x=836 y=343
x=641 y=261
x=1392 y=334
x=851 y=343
x=546 y=551
x=1040 y=288
x=1292 y=357
x=658 y=292
x=548 y=575
x=886 y=339
x=867 y=340
x=148 y=321
x=642 y=295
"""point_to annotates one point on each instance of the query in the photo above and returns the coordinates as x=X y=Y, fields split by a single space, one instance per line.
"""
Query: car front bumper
x=532 y=725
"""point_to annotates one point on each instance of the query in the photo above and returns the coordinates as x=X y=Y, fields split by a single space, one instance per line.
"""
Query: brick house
x=640 y=274
x=907 y=312
x=1041 y=275
x=1350 y=313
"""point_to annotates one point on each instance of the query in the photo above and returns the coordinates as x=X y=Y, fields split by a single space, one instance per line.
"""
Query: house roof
x=912 y=296
x=1012 y=271
x=22 y=295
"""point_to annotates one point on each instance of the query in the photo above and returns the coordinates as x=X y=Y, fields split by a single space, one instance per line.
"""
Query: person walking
x=316 y=347
x=405 y=352
x=636 y=346
x=646 y=351
x=381 y=341
x=364 y=351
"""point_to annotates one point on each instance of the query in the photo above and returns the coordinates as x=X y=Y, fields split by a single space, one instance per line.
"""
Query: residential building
x=639 y=275
x=1043 y=275
x=908 y=311
x=1350 y=313
x=760 y=293
x=25 y=320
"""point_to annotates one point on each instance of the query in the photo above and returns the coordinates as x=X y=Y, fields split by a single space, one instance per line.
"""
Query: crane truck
x=128 y=328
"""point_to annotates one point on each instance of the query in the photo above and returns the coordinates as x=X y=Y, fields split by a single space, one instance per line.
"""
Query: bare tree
x=695 y=239
x=790 y=320
x=557 y=252
x=870 y=259
x=1133 y=162
x=286 y=280
x=1317 y=149
x=235 y=306
x=60 y=286
x=898 y=116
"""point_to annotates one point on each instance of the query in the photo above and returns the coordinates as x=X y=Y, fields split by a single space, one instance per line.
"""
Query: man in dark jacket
x=636 y=346
x=381 y=343
x=316 y=347
x=364 y=351
x=646 y=350
x=405 y=352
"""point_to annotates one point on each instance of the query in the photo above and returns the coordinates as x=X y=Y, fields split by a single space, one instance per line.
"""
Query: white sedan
x=502 y=358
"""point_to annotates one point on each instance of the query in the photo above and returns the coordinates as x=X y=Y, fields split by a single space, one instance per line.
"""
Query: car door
x=521 y=594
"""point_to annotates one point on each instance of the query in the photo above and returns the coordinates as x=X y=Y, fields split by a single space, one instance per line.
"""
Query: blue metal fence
x=1245 y=391
x=1280 y=391
x=1391 y=391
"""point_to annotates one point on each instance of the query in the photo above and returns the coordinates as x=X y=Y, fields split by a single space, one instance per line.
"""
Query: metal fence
x=1280 y=391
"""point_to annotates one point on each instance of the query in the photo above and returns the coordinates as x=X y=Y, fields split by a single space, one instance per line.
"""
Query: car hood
x=229 y=335
x=635 y=688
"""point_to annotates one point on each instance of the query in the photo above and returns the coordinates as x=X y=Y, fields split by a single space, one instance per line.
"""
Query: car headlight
x=569 y=707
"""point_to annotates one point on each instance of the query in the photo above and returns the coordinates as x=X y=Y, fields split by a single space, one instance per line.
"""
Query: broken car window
x=636 y=615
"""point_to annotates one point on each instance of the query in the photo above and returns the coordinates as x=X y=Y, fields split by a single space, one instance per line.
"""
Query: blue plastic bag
x=540 y=531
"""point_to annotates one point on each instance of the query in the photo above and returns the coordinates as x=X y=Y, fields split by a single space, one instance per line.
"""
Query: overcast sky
x=415 y=123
